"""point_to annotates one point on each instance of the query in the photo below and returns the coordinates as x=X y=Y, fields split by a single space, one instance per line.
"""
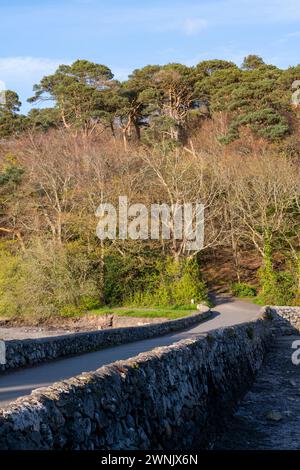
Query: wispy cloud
x=127 y=34
x=26 y=68
x=188 y=17
x=193 y=26
x=289 y=37
x=198 y=13
x=295 y=34
x=20 y=73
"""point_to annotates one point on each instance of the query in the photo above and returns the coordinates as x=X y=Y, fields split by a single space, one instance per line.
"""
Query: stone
x=163 y=399
x=28 y=352
x=274 y=416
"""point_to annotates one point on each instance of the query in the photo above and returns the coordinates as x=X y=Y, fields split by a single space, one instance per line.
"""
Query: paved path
x=19 y=383
x=268 y=417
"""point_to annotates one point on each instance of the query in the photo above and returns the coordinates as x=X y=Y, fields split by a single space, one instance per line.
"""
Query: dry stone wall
x=29 y=352
x=285 y=320
x=172 y=398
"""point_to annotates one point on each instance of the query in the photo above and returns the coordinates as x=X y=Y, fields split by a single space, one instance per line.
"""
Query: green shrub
x=10 y=174
x=48 y=280
x=70 y=311
x=127 y=274
x=89 y=303
x=10 y=273
x=241 y=289
x=282 y=291
x=174 y=283
x=277 y=288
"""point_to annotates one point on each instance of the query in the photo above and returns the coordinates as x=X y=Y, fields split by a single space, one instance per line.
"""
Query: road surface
x=21 y=382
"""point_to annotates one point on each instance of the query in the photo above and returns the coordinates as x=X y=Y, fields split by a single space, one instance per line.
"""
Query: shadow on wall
x=219 y=299
x=285 y=320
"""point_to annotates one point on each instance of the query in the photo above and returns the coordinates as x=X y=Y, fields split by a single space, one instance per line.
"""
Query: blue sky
x=37 y=35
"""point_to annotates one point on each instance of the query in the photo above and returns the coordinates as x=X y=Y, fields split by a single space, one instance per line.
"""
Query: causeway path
x=21 y=382
x=268 y=418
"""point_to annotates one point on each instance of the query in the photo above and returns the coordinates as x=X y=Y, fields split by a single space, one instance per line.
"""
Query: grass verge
x=155 y=312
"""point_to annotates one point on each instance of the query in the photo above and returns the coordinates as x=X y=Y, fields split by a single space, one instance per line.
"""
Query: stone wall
x=28 y=352
x=285 y=320
x=172 y=398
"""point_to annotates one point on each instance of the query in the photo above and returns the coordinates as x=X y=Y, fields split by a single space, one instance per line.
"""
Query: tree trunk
x=111 y=124
x=125 y=142
x=137 y=130
x=101 y=275
x=235 y=256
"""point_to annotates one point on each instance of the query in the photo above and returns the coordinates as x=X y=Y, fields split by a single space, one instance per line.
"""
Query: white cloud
x=193 y=26
x=23 y=69
x=21 y=73
x=289 y=37
x=295 y=34
x=191 y=17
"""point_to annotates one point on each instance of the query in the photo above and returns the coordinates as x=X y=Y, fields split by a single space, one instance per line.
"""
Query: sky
x=38 y=35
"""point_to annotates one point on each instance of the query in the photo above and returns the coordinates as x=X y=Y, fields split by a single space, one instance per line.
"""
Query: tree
x=130 y=102
x=252 y=62
x=254 y=101
x=175 y=98
x=266 y=200
x=10 y=121
x=216 y=81
x=136 y=101
x=10 y=103
x=253 y=97
x=256 y=104
x=160 y=98
x=207 y=68
x=43 y=119
x=78 y=93
x=179 y=177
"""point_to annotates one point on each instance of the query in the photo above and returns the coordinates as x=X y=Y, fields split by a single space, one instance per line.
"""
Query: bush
x=10 y=273
x=70 y=311
x=48 y=280
x=278 y=289
x=241 y=289
x=174 y=283
x=125 y=275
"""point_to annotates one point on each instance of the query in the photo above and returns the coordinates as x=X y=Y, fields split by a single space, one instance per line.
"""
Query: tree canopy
x=161 y=102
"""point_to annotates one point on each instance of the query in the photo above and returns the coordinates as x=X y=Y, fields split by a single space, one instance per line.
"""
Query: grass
x=155 y=312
